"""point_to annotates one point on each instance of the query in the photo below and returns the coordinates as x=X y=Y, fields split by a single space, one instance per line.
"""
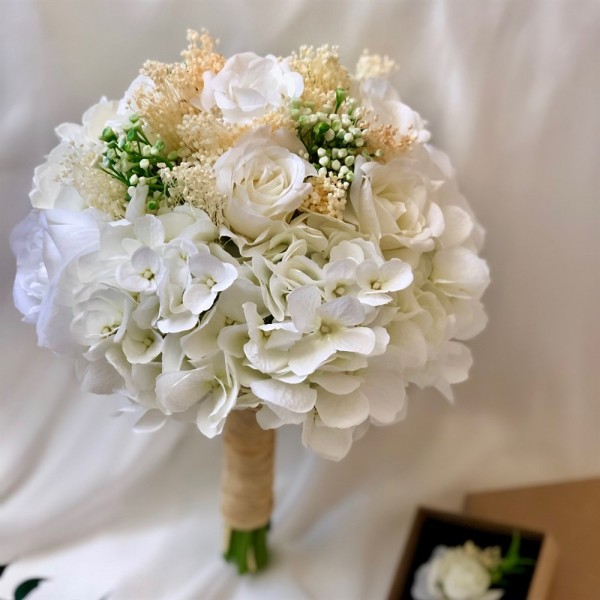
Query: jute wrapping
x=247 y=482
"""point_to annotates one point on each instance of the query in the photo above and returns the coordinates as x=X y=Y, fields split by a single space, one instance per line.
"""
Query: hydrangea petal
x=299 y=398
x=336 y=383
x=329 y=442
x=344 y=411
x=177 y=392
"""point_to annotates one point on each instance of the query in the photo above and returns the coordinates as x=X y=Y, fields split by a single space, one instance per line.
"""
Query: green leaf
x=26 y=588
x=340 y=96
x=512 y=563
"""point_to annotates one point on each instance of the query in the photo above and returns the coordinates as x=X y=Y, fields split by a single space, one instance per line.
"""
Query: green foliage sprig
x=512 y=563
x=133 y=160
x=334 y=136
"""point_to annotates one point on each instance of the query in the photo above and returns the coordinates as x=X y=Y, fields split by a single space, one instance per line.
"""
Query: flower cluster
x=254 y=232
x=469 y=572
x=459 y=573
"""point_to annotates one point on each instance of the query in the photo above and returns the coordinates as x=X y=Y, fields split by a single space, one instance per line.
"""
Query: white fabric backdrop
x=511 y=92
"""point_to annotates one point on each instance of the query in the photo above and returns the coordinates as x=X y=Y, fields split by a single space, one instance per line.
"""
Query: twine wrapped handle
x=247 y=489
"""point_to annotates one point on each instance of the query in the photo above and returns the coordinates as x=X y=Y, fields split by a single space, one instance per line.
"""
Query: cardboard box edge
x=545 y=568
x=403 y=565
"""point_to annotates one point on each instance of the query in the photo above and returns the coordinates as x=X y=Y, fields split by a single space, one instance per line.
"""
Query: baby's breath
x=321 y=71
x=374 y=65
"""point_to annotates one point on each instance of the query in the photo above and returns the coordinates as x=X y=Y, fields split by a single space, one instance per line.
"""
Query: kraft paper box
x=570 y=513
x=432 y=528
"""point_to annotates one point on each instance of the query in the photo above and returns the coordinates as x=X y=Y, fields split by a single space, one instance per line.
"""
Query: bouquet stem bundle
x=247 y=490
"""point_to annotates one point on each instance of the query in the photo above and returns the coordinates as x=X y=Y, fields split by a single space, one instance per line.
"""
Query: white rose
x=263 y=179
x=452 y=574
x=462 y=576
x=249 y=86
x=393 y=203
x=48 y=191
x=31 y=281
x=87 y=134
x=43 y=243
x=127 y=104
x=378 y=95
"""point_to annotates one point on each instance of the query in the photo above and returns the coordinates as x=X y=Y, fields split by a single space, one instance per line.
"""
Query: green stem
x=248 y=549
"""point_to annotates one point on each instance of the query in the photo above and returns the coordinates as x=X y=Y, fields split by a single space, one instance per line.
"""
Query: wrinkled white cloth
x=510 y=90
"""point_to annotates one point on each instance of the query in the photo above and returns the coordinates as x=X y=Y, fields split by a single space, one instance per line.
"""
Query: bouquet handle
x=247 y=490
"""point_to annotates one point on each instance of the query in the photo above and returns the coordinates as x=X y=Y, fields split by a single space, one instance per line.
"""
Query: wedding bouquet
x=252 y=242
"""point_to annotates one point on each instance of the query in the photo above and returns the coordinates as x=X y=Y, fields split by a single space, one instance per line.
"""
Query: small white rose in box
x=454 y=574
